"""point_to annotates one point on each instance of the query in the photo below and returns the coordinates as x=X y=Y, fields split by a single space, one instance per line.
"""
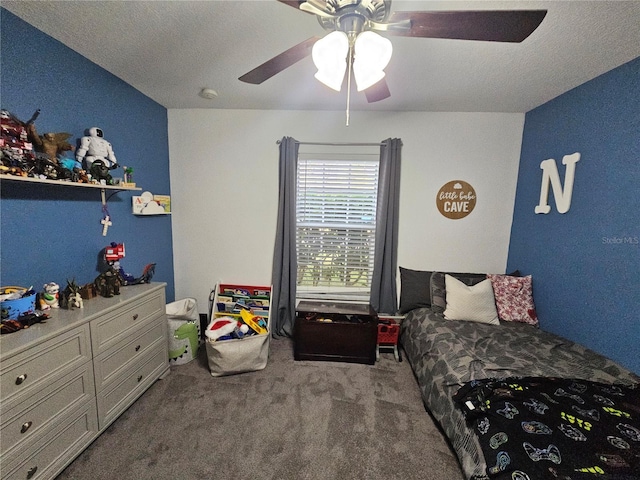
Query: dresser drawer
x=117 y=325
x=22 y=375
x=108 y=365
x=112 y=401
x=54 y=451
x=40 y=412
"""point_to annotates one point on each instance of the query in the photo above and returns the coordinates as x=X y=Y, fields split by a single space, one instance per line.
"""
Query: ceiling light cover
x=329 y=55
x=372 y=55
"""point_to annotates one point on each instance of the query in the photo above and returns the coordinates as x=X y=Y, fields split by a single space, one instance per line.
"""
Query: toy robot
x=112 y=256
x=95 y=147
x=99 y=172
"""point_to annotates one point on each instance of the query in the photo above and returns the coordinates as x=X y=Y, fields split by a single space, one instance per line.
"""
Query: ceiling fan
x=354 y=17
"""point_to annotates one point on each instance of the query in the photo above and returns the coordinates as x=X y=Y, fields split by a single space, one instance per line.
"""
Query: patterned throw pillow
x=514 y=298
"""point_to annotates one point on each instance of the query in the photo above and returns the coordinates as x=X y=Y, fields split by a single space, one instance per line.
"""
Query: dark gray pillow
x=415 y=289
x=439 y=291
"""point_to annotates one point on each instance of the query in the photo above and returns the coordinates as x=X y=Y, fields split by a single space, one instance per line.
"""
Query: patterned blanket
x=537 y=428
x=446 y=354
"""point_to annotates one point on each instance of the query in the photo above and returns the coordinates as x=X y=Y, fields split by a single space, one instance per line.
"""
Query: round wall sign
x=456 y=199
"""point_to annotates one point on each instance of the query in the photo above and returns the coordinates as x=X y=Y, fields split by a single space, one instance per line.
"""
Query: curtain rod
x=337 y=144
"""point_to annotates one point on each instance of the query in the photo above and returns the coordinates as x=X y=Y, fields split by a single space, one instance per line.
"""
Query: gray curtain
x=285 y=265
x=384 y=297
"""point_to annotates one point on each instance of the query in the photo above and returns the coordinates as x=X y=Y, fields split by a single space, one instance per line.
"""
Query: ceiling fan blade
x=280 y=62
x=486 y=25
x=292 y=3
x=315 y=7
x=377 y=92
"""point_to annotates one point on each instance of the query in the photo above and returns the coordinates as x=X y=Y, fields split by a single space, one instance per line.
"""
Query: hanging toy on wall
x=106 y=216
x=106 y=219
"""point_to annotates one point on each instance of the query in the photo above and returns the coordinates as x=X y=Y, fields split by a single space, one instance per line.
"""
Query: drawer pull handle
x=135 y=316
x=137 y=347
x=139 y=378
x=31 y=472
x=21 y=378
x=26 y=426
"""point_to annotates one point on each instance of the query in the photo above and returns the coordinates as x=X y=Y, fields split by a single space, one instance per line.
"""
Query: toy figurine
x=112 y=256
x=50 y=297
x=128 y=174
x=23 y=321
x=147 y=274
x=108 y=283
x=71 y=296
x=51 y=144
x=94 y=147
x=72 y=169
x=99 y=172
x=114 y=252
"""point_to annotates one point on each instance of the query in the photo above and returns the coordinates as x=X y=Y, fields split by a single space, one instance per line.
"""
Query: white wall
x=224 y=187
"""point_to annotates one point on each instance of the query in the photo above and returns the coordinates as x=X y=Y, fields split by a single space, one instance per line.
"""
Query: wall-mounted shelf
x=103 y=191
x=15 y=178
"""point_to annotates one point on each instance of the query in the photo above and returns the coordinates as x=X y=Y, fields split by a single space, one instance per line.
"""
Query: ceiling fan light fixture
x=372 y=55
x=329 y=55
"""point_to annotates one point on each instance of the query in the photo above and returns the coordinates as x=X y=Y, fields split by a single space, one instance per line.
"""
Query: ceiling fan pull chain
x=349 y=66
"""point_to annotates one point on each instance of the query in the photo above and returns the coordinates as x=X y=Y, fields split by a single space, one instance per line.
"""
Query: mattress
x=445 y=354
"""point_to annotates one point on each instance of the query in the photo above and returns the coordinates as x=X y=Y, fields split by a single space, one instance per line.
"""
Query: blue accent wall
x=586 y=263
x=52 y=233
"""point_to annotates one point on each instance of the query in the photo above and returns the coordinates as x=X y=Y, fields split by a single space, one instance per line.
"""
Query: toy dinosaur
x=51 y=144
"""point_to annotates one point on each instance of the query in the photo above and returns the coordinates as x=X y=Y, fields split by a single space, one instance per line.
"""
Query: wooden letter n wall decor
x=551 y=176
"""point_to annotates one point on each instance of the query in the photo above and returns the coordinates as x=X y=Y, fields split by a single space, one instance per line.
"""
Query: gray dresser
x=64 y=381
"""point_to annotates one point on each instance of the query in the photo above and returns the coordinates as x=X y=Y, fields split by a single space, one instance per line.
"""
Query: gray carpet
x=292 y=420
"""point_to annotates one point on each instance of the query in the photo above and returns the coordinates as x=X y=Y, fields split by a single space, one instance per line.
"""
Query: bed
x=447 y=354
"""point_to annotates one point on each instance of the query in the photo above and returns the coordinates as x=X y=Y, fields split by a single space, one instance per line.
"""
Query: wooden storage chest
x=339 y=332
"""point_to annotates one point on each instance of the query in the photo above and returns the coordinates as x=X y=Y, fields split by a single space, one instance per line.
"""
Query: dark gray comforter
x=444 y=354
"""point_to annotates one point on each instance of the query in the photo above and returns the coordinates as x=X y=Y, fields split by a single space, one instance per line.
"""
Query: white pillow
x=476 y=304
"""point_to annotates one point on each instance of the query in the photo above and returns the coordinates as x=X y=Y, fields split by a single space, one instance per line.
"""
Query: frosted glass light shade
x=329 y=55
x=372 y=55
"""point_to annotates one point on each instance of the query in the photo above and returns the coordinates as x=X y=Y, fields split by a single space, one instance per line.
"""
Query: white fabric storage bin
x=184 y=330
x=238 y=355
x=228 y=357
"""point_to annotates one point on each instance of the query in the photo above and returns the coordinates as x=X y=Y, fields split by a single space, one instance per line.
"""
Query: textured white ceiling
x=169 y=50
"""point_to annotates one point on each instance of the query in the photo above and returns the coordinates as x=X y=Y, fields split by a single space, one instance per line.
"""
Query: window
x=336 y=196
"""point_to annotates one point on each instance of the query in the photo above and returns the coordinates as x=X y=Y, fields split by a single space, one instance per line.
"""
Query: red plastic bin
x=388 y=334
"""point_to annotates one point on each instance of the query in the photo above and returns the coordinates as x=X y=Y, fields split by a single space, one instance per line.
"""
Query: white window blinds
x=336 y=221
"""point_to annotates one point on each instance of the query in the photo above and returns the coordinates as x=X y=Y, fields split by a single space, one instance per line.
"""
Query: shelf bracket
x=103 y=196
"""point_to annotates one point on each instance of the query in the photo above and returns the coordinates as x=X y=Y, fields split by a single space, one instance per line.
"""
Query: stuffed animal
x=223 y=328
